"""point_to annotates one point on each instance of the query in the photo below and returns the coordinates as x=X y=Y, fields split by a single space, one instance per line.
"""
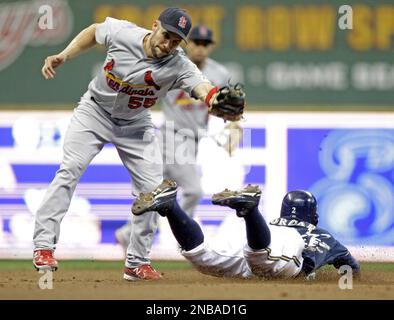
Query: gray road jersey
x=129 y=82
x=190 y=113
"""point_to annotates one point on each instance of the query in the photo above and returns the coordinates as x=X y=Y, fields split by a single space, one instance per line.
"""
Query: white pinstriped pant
x=281 y=259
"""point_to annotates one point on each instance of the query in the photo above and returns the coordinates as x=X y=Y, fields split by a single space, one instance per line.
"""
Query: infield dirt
x=189 y=285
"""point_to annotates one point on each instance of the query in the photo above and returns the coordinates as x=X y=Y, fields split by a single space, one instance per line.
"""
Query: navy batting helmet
x=301 y=205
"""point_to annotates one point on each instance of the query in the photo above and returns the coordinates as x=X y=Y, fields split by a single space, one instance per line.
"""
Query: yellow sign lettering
x=361 y=36
x=102 y=12
x=279 y=27
x=249 y=33
x=314 y=27
x=384 y=22
x=150 y=15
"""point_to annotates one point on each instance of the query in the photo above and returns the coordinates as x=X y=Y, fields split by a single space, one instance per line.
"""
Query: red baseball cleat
x=142 y=272
x=44 y=260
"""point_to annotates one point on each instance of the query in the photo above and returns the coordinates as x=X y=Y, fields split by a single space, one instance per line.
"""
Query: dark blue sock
x=186 y=231
x=257 y=231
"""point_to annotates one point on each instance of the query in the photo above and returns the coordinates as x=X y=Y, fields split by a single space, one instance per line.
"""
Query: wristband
x=210 y=94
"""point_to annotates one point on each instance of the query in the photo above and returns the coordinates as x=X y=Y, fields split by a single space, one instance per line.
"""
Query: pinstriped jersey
x=129 y=83
x=282 y=257
x=190 y=113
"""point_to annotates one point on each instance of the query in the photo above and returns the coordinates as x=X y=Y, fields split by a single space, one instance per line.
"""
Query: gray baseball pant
x=180 y=164
x=89 y=130
x=180 y=157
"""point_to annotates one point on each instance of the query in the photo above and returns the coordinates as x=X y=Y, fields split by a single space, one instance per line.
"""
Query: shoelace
x=144 y=269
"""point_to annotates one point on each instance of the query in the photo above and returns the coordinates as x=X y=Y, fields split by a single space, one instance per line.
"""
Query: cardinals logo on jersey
x=149 y=80
x=109 y=65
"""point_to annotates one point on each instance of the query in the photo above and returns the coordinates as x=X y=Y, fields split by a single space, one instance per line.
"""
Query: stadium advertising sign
x=296 y=54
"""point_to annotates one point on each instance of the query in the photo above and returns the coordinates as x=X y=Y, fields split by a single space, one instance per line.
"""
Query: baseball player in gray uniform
x=186 y=120
x=141 y=66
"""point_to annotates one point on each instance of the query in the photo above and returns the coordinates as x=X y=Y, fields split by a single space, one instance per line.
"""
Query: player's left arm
x=321 y=248
x=202 y=90
x=227 y=102
x=344 y=257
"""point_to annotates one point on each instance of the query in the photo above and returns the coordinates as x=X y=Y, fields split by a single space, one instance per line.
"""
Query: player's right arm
x=83 y=41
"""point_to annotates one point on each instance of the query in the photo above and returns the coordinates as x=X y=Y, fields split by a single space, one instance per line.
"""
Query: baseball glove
x=229 y=103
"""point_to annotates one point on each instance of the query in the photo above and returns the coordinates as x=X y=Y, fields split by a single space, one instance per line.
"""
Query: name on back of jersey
x=292 y=223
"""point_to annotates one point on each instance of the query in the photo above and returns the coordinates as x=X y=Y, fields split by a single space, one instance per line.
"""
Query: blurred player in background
x=289 y=246
x=186 y=121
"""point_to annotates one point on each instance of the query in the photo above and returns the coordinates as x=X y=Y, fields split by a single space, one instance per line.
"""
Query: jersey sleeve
x=189 y=77
x=106 y=31
x=325 y=250
x=345 y=258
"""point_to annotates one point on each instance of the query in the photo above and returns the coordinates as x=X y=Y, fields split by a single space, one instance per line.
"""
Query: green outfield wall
x=291 y=53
